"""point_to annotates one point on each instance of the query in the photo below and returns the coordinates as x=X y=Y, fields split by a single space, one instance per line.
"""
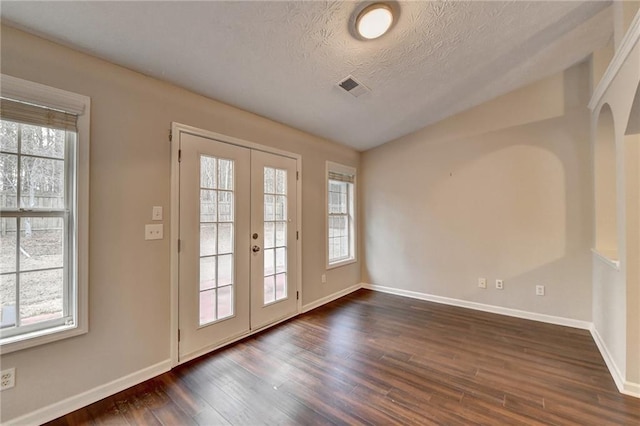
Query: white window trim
x=340 y=168
x=39 y=94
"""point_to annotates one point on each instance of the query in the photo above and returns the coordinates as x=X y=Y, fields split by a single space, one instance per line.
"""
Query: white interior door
x=214 y=249
x=273 y=227
x=238 y=252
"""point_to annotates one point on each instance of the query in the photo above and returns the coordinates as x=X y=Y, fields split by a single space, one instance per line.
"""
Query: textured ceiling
x=282 y=59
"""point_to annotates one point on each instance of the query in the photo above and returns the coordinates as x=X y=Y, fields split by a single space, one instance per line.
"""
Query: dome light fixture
x=374 y=21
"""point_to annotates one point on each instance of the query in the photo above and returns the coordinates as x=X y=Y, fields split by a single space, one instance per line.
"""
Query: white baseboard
x=624 y=386
x=330 y=298
x=568 y=322
x=73 y=403
x=631 y=389
x=608 y=359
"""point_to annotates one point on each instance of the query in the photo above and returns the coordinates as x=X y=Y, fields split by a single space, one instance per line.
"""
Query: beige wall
x=630 y=9
x=600 y=61
x=500 y=191
x=624 y=12
x=130 y=172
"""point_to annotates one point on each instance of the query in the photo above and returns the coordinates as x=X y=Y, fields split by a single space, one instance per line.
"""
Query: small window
x=43 y=241
x=341 y=238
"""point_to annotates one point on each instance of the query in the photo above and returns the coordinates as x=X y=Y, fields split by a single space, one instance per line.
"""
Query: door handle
x=255 y=249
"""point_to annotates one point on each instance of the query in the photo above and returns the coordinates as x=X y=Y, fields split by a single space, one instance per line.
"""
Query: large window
x=42 y=281
x=340 y=214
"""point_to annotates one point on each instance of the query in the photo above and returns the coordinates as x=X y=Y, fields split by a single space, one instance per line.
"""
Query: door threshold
x=234 y=339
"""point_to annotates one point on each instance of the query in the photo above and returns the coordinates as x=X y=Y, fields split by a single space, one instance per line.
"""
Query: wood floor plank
x=131 y=406
x=189 y=402
x=105 y=412
x=210 y=416
x=372 y=358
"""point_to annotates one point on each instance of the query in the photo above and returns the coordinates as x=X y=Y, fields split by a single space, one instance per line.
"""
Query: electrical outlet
x=323 y=278
x=499 y=284
x=8 y=378
x=482 y=282
x=153 y=232
x=539 y=290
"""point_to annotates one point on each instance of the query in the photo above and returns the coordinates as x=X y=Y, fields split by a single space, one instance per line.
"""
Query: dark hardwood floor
x=373 y=358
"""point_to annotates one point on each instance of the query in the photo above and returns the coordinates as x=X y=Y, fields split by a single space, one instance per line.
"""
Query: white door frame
x=176 y=130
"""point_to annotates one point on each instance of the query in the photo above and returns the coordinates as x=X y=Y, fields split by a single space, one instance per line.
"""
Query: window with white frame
x=43 y=214
x=340 y=214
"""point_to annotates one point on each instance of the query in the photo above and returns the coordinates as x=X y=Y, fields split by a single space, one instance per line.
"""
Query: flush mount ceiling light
x=374 y=21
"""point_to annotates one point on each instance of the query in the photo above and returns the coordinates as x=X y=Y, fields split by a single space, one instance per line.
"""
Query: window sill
x=341 y=263
x=609 y=257
x=41 y=337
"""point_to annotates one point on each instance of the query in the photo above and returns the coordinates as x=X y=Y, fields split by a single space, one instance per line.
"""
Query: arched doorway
x=605 y=185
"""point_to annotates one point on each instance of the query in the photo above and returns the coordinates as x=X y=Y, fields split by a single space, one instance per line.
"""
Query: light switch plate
x=482 y=282
x=153 y=231
x=156 y=213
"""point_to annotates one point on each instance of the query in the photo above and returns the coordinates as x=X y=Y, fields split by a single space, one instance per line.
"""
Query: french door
x=237 y=229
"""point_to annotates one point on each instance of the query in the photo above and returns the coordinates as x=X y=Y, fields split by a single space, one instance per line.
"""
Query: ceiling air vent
x=353 y=87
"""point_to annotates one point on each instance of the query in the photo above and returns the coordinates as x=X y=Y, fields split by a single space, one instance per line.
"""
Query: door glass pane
x=225 y=238
x=207 y=306
x=281 y=260
x=225 y=206
x=281 y=208
x=269 y=236
x=281 y=182
x=208 y=205
x=217 y=239
x=269 y=180
x=269 y=289
x=281 y=234
x=275 y=241
x=281 y=286
x=225 y=176
x=269 y=265
x=225 y=302
x=208 y=239
x=208 y=172
x=225 y=270
x=269 y=208
x=207 y=273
